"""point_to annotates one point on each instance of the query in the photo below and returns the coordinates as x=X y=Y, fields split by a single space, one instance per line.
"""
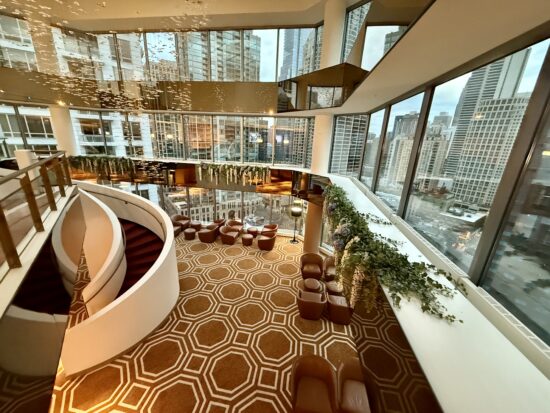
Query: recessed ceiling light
x=61 y=103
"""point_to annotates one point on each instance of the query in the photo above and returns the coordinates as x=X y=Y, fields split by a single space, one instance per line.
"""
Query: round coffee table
x=247 y=239
x=189 y=233
x=196 y=225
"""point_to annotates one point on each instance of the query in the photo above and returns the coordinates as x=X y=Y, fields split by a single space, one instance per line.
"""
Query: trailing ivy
x=365 y=259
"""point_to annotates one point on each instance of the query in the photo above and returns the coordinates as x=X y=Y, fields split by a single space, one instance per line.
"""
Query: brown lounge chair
x=330 y=268
x=180 y=220
x=229 y=235
x=311 y=265
x=352 y=393
x=266 y=241
x=209 y=234
x=339 y=311
x=314 y=388
x=237 y=225
x=311 y=305
x=269 y=228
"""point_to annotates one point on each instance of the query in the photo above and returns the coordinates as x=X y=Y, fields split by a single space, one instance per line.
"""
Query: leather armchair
x=314 y=388
x=311 y=305
x=228 y=235
x=209 y=234
x=311 y=265
x=339 y=311
x=180 y=220
x=269 y=228
x=352 y=393
x=266 y=241
x=237 y=225
x=330 y=268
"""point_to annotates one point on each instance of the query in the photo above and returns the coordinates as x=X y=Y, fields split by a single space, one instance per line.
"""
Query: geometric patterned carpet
x=229 y=344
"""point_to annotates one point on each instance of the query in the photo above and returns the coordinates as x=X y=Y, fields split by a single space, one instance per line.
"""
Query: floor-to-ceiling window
x=347 y=144
x=372 y=143
x=472 y=126
x=396 y=149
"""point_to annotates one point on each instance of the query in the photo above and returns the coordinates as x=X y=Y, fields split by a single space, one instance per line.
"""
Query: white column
x=314 y=225
x=333 y=32
x=62 y=127
x=322 y=137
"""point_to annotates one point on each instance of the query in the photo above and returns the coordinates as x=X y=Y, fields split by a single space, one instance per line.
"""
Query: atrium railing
x=25 y=195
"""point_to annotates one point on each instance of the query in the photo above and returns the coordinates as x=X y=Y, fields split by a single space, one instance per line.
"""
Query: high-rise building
x=486 y=148
x=391 y=38
x=405 y=125
x=347 y=144
x=498 y=80
x=355 y=20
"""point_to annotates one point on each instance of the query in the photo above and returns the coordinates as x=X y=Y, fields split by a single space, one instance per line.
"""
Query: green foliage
x=365 y=258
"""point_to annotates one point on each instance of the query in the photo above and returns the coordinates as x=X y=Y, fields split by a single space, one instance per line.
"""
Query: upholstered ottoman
x=196 y=225
x=247 y=239
x=253 y=231
x=189 y=233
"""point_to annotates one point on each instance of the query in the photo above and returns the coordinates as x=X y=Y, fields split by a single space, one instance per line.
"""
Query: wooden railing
x=25 y=195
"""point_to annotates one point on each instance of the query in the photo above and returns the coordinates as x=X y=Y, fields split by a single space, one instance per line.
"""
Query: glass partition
x=16 y=46
x=167 y=135
x=257 y=209
x=290 y=141
x=227 y=138
x=228 y=204
x=257 y=139
x=198 y=136
x=396 y=150
x=374 y=135
x=472 y=126
x=108 y=56
x=202 y=204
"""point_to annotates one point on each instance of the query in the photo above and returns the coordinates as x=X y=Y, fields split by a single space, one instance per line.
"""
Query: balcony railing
x=25 y=196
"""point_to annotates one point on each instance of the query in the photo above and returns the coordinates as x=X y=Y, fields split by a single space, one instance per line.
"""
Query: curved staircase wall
x=67 y=241
x=27 y=339
x=137 y=312
x=104 y=250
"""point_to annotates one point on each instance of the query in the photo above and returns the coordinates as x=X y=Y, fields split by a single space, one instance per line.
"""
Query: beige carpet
x=229 y=344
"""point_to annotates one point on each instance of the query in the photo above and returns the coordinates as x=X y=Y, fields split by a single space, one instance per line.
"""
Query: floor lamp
x=296 y=212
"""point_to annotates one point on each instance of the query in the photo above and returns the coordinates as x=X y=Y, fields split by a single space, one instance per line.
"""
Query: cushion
x=309 y=296
x=331 y=270
x=311 y=269
x=312 y=284
x=338 y=300
x=354 y=397
x=312 y=396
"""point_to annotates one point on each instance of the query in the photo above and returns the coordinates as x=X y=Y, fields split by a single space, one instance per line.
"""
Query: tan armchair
x=209 y=234
x=352 y=393
x=237 y=225
x=339 y=311
x=330 y=268
x=228 y=235
x=266 y=241
x=311 y=265
x=311 y=305
x=314 y=388
x=180 y=220
x=269 y=228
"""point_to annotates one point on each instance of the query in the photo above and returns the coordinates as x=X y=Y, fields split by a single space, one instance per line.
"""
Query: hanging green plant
x=364 y=259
